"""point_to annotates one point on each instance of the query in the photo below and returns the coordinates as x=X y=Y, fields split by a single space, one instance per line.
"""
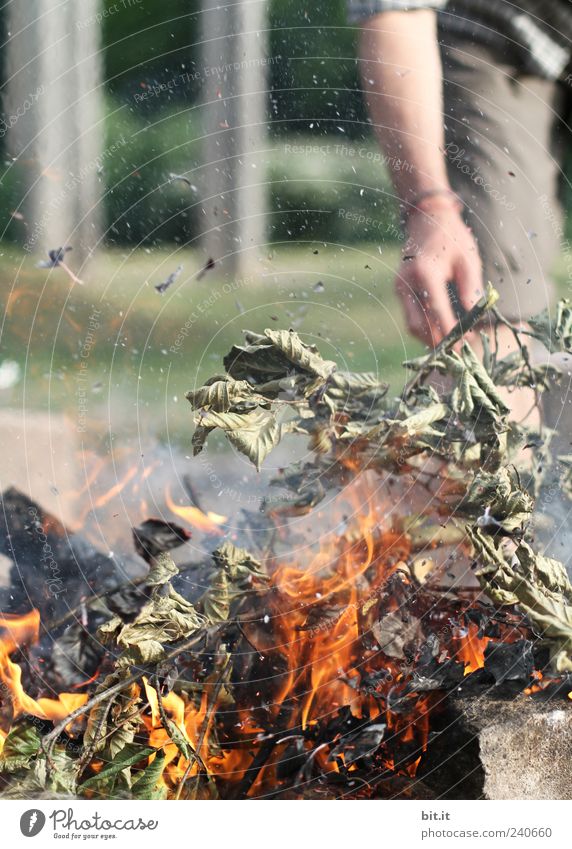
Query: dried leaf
x=393 y=634
x=414 y=425
x=225 y=395
x=130 y=756
x=477 y=370
x=60 y=778
x=321 y=439
x=166 y=618
x=239 y=564
x=236 y=571
x=553 y=327
x=301 y=355
x=199 y=439
x=161 y=571
x=253 y=434
x=347 y=383
x=96 y=728
x=20 y=748
x=501 y=496
x=216 y=601
x=257 y=439
x=146 y=785
x=124 y=722
x=538 y=584
x=258 y=362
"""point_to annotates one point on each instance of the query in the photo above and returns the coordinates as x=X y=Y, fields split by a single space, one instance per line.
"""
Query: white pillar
x=234 y=73
x=53 y=81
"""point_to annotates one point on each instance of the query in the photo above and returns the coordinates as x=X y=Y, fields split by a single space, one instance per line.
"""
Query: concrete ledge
x=487 y=748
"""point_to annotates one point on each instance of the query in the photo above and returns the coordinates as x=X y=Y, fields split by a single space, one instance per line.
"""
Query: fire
x=319 y=624
x=195 y=725
x=471 y=648
x=19 y=632
x=208 y=522
x=323 y=661
x=87 y=496
x=116 y=486
x=539 y=683
x=314 y=669
x=22 y=631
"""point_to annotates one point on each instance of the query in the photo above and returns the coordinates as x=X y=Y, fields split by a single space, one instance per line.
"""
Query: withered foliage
x=160 y=718
x=276 y=385
x=114 y=746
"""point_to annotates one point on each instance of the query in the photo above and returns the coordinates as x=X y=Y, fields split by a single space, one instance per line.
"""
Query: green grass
x=149 y=349
x=130 y=378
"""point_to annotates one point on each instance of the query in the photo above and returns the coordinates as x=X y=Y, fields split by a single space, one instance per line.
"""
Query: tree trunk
x=235 y=107
x=54 y=114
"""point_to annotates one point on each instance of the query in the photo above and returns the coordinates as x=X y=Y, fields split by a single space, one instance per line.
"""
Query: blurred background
x=222 y=152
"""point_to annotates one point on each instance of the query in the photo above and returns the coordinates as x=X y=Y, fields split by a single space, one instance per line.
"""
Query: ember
x=309 y=694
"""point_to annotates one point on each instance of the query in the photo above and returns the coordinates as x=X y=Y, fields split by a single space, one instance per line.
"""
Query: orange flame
x=471 y=649
x=322 y=663
x=195 y=726
x=208 y=522
x=21 y=631
x=316 y=635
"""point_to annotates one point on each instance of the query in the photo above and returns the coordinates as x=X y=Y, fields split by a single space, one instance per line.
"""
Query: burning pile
x=293 y=674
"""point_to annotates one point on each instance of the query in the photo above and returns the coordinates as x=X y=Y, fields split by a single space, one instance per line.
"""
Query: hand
x=440 y=249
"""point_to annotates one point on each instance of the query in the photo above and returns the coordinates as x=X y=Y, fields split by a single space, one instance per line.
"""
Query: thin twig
x=247 y=640
x=90 y=751
x=517 y=333
x=259 y=761
x=255 y=768
x=50 y=739
x=204 y=728
x=136 y=582
x=166 y=722
x=465 y=323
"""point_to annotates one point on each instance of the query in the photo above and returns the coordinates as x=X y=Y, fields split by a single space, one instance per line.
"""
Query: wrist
x=432 y=202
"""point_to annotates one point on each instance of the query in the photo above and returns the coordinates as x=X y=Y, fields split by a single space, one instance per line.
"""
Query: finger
x=415 y=316
x=432 y=313
x=421 y=317
x=468 y=277
x=440 y=309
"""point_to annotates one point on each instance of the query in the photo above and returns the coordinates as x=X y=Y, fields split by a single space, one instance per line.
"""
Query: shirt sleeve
x=360 y=10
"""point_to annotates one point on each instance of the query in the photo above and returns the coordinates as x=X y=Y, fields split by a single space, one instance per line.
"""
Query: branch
x=50 y=739
x=465 y=323
x=204 y=729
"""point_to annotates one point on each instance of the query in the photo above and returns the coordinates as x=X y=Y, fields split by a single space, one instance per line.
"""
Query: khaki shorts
x=504 y=139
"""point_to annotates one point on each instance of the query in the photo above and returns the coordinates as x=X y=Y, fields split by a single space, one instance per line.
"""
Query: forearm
x=403 y=83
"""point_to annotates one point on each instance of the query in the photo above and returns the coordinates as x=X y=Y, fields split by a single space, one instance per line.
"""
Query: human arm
x=403 y=82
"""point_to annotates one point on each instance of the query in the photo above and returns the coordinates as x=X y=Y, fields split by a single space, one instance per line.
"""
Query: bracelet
x=415 y=204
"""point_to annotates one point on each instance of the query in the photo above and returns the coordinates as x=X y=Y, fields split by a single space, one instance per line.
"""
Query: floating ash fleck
x=208 y=266
x=162 y=287
x=56 y=260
